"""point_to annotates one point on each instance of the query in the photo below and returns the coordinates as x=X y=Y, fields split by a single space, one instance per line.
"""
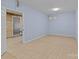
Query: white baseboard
x=62 y=35
x=38 y=37
x=69 y=36
x=3 y=52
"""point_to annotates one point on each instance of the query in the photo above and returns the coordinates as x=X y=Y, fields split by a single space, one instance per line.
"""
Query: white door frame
x=20 y=13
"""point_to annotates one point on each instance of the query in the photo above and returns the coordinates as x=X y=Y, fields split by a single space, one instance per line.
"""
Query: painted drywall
x=3 y=31
x=76 y=24
x=64 y=24
x=35 y=22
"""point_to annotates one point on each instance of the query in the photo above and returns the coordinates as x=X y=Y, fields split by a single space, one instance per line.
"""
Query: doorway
x=14 y=24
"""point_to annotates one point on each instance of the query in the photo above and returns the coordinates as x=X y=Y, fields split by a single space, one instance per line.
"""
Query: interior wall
x=76 y=24
x=35 y=22
x=64 y=24
x=3 y=31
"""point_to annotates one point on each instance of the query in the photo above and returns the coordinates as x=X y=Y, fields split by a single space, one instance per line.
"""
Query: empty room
x=39 y=29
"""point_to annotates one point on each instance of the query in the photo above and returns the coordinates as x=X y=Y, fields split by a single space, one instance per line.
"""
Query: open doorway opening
x=14 y=24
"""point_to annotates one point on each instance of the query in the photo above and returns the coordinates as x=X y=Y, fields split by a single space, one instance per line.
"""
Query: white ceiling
x=45 y=5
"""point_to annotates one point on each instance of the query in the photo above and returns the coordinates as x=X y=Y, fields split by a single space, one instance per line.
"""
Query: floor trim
x=38 y=37
x=2 y=53
x=69 y=36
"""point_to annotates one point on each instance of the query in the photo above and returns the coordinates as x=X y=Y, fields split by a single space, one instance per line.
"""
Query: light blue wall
x=64 y=24
x=3 y=31
x=76 y=24
x=35 y=22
